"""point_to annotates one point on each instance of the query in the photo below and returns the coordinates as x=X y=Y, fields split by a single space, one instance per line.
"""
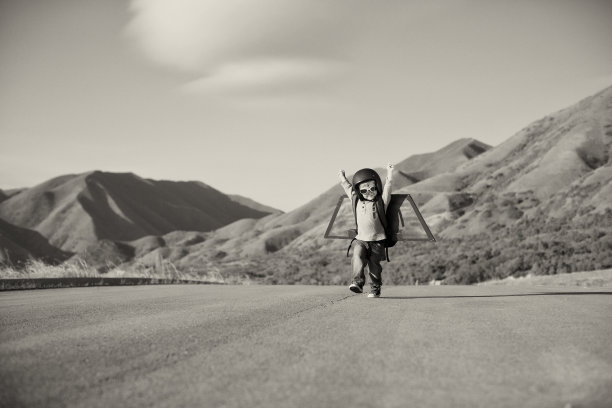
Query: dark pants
x=369 y=253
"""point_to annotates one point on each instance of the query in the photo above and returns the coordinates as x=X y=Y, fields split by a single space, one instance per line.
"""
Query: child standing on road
x=369 y=199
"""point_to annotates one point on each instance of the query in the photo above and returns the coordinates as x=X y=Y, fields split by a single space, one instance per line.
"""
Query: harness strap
x=349 y=248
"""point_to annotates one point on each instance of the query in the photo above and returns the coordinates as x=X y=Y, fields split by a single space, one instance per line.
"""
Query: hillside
x=539 y=203
x=88 y=212
x=5 y=194
x=246 y=245
x=247 y=202
x=18 y=245
x=273 y=233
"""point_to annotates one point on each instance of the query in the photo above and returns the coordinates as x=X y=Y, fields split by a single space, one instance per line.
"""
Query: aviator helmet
x=366 y=175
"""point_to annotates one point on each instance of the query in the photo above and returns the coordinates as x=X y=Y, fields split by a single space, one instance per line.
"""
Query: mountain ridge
x=75 y=211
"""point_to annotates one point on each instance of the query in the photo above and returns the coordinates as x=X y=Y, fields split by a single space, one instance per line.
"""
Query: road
x=306 y=346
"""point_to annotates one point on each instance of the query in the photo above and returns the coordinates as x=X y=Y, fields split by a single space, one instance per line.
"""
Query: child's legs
x=377 y=254
x=359 y=261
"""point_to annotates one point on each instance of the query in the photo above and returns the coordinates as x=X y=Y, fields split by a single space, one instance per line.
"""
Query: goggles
x=370 y=190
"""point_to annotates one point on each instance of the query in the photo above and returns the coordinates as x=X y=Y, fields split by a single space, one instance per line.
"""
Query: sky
x=270 y=98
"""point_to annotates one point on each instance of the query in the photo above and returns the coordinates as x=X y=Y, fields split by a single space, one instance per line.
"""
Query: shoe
x=374 y=292
x=356 y=288
x=373 y=295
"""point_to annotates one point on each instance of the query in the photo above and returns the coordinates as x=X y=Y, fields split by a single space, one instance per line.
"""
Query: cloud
x=258 y=74
x=229 y=44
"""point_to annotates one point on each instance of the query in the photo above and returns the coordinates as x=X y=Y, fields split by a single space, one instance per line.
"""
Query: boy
x=369 y=199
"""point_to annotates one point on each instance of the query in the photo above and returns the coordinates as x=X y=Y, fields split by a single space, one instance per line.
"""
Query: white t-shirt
x=369 y=227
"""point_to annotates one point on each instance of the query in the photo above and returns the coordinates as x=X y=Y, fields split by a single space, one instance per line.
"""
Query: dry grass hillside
x=245 y=239
x=539 y=203
x=557 y=167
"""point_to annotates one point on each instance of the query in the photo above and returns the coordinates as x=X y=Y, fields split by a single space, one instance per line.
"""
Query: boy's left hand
x=389 y=170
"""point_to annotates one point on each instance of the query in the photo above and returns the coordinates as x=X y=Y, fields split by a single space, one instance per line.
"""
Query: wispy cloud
x=267 y=73
x=233 y=44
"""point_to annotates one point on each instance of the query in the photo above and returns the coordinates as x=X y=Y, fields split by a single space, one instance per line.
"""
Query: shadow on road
x=494 y=296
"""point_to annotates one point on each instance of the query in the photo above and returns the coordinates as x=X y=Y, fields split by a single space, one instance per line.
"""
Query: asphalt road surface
x=306 y=346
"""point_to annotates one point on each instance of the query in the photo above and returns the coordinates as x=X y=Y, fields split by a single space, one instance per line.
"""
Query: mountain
x=540 y=203
x=247 y=202
x=240 y=243
x=18 y=245
x=557 y=167
x=5 y=194
x=76 y=212
x=420 y=167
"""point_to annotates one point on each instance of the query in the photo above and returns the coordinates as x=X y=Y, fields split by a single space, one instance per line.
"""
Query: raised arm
x=346 y=185
x=386 y=194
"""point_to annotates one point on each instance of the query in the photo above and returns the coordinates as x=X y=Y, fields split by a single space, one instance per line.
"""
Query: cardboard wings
x=411 y=225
